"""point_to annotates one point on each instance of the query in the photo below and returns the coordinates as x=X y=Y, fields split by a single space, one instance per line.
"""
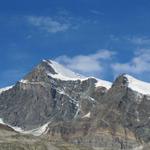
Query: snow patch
x=24 y=81
x=92 y=99
x=30 y=82
x=61 y=92
x=18 y=129
x=138 y=86
x=5 y=89
x=88 y=115
x=1 y=121
x=137 y=116
x=36 y=132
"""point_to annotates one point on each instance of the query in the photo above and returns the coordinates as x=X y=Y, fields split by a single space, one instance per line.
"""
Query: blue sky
x=102 y=38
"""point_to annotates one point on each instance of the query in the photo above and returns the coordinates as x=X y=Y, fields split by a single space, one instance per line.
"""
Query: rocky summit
x=53 y=108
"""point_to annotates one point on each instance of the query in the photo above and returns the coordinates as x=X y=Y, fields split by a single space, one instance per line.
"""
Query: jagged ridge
x=55 y=100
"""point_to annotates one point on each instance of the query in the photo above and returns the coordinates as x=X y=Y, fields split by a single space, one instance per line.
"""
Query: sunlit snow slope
x=138 y=85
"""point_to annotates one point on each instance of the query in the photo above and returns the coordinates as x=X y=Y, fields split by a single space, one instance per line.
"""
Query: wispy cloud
x=96 y=12
x=139 y=64
x=48 y=24
x=140 y=40
x=92 y=64
x=134 y=40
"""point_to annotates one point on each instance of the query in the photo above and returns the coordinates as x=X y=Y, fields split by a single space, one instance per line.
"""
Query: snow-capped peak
x=138 y=85
x=65 y=74
x=62 y=72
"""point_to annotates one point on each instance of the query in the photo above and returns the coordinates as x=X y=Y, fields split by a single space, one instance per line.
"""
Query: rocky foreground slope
x=55 y=108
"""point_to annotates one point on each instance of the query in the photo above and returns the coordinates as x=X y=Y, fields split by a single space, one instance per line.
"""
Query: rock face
x=79 y=110
x=39 y=98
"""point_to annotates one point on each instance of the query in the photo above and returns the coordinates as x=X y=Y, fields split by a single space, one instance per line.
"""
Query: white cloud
x=139 y=64
x=92 y=64
x=48 y=24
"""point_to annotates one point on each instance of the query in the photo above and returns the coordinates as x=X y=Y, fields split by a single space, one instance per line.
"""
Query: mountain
x=59 y=105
